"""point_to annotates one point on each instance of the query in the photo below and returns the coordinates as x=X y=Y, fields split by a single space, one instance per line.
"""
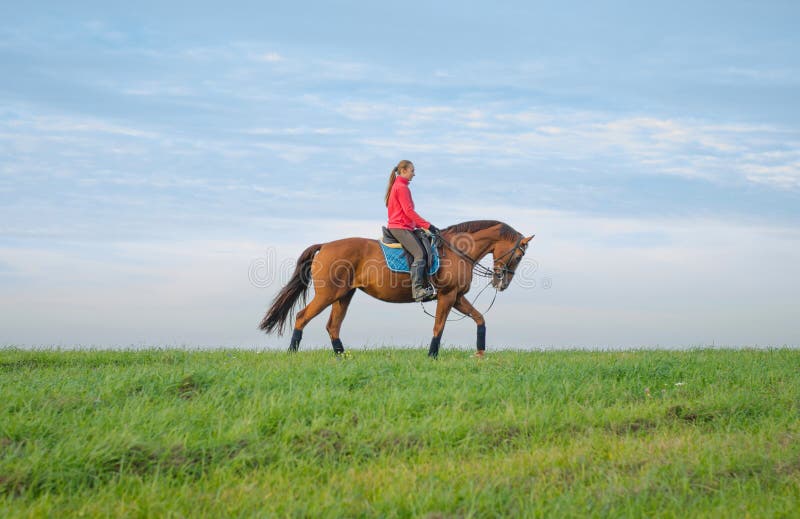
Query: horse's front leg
x=466 y=308
x=445 y=303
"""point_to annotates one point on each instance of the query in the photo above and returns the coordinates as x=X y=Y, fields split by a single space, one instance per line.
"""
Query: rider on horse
x=403 y=222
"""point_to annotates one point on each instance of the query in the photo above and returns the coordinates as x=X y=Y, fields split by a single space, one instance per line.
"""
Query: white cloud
x=100 y=29
x=294 y=153
x=496 y=135
x=65 y=126
x=300 y=130
x=157 y=88
x=762 y=75
x=644 y=145
x=271 y=57
x=365 y=110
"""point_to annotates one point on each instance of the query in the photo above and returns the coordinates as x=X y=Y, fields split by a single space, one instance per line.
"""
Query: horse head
x=507 y=254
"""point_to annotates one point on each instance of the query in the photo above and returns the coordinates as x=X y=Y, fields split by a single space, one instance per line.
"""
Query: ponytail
x=400 y=165
x=389 y=187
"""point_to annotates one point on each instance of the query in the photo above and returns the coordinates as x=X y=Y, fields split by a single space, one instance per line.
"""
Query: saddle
x=399 y=260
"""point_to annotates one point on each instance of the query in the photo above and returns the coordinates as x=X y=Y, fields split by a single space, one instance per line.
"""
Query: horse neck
x=483 y=243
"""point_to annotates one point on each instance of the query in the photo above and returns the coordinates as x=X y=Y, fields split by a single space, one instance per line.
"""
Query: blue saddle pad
x=396 y=259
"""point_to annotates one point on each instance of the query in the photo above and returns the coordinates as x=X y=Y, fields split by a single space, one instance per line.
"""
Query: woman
x=403 y=221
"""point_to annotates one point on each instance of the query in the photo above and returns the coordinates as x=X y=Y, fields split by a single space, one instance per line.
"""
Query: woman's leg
x=425 y=243
x=418 y=268
x=409 y=242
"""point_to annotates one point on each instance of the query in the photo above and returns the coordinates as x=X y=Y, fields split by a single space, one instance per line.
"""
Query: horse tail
x=283 y=305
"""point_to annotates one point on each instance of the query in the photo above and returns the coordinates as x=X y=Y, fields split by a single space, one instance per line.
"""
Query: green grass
x=389 y=433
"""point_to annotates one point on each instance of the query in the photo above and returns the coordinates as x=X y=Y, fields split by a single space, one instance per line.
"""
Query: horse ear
x=526 y=240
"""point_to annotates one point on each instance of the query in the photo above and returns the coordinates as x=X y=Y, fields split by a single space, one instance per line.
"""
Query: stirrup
x=428 y=295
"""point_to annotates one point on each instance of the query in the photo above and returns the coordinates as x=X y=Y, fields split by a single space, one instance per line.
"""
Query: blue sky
x=151 y=156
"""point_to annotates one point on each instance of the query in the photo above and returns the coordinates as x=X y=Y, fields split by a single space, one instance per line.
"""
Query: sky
x=162 y=166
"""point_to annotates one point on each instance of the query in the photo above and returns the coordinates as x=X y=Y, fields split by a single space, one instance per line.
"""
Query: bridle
x=480 y=270
x=504 y=269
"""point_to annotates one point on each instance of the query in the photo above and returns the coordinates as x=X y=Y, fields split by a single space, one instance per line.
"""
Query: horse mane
x=506 y=231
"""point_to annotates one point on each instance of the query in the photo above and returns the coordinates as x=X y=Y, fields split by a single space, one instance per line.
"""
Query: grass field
x=390 y=433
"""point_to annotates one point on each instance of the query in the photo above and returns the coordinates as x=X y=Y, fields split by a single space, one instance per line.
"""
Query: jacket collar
x=403 y=180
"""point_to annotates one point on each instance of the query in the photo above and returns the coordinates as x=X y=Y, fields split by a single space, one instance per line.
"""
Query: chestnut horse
x=339 y=267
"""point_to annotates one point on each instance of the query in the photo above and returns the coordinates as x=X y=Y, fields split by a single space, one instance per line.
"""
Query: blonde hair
x=403 y=164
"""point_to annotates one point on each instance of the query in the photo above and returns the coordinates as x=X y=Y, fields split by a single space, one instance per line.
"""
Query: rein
x=464 y=316
x=478 y=270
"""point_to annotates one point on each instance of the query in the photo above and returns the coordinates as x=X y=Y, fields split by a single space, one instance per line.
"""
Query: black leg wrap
x=433 y=352
x=338 y=347
x=297 y=336
x=482 y=337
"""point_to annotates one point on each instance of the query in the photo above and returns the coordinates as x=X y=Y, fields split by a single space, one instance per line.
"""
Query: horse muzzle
x=500 y=282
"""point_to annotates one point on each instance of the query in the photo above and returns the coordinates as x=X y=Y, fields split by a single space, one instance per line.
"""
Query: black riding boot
x=420 y=289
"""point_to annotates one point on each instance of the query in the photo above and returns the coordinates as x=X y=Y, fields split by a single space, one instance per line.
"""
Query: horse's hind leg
x=338 y=311
x=320 y=302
